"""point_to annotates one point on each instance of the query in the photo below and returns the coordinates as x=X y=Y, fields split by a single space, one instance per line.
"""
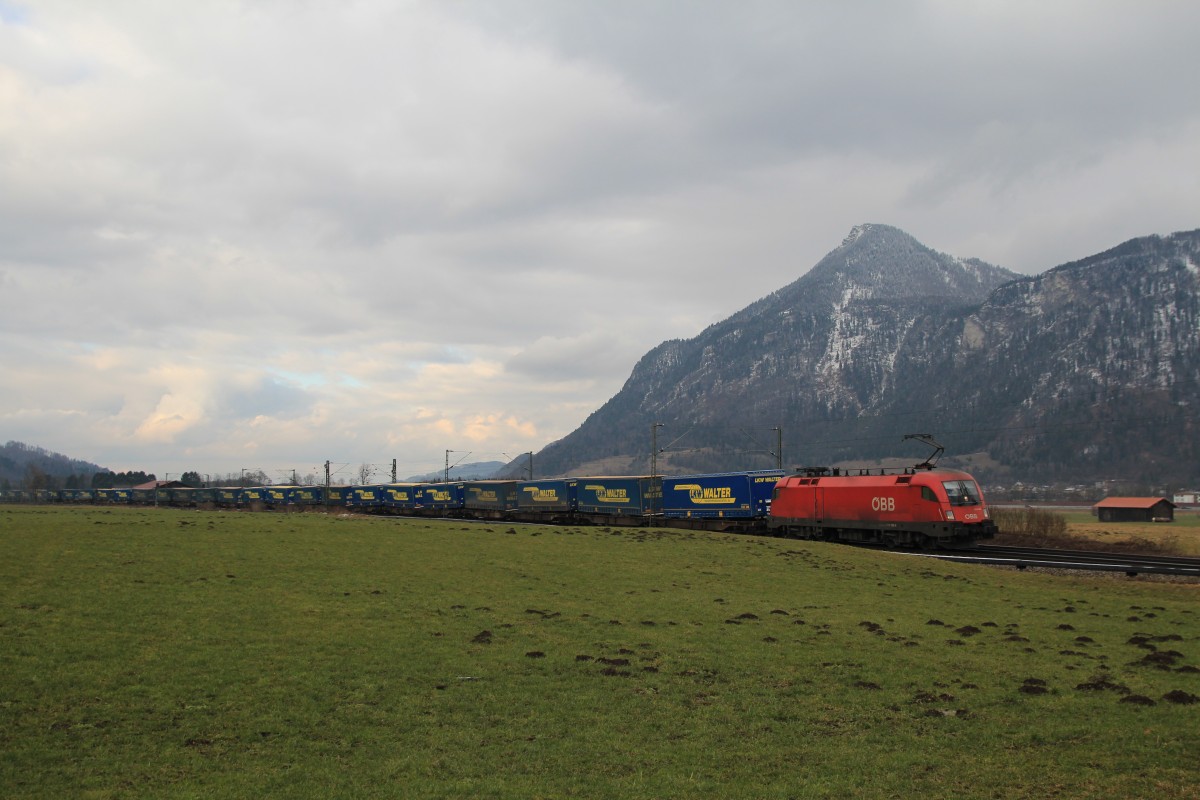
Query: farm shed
x=1135 y=509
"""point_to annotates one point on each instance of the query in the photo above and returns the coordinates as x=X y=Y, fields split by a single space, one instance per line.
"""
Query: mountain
x=20 y=463
x=479 y=471
x=1090 y=369
x=1084 y=372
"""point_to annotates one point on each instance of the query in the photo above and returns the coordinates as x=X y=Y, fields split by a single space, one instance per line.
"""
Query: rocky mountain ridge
x=1087 y=370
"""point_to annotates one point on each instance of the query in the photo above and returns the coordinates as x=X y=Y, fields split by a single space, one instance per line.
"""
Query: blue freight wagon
x=490 y=495
x=227 y=496
x=114 y=495
x=142 y=496
x=205 y=496
x=440 y=496
x=369 y=496
x=637 y=496
x=252 y=495
x=277 y=496
x=400 y=496
x=552 y=496
x=305 y=496
x=727 y=495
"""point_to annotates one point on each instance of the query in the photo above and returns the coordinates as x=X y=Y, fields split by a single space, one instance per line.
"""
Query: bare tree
x=364 y=473
x=257 y=478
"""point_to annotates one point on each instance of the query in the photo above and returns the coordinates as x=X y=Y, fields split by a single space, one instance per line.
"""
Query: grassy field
x=1081 y=529
x=1181 y=536
x=171 y=654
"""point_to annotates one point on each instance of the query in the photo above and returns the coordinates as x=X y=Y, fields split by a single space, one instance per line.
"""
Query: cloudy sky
x=265 y=234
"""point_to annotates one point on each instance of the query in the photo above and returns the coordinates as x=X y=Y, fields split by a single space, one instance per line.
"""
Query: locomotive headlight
x=950 y=515
x=986 y=514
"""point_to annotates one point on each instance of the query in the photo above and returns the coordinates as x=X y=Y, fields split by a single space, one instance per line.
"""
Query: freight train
x=915 y=507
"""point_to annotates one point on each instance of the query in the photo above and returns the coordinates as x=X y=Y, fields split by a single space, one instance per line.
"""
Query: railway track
x=1025 y=557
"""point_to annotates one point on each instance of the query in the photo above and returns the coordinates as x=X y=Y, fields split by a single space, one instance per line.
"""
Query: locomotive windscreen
x=962 y=493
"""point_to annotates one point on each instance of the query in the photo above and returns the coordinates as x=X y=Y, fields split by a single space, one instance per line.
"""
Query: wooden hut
x=1135 y=509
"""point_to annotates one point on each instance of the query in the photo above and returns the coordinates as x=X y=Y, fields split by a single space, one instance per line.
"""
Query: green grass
x=159 y=653
x=1181 y=536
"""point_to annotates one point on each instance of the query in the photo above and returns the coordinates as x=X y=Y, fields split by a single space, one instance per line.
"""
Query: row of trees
x=36 y=479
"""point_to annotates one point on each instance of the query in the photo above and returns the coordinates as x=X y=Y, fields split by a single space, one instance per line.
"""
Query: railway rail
x=1131 y=564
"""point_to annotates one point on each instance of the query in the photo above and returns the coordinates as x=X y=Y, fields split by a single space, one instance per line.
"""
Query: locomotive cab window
x=927 y=494
x=962 y=493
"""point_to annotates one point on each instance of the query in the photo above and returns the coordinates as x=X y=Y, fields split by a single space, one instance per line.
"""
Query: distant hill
x=20 y=463
x=1087 y=371
x=482 y=470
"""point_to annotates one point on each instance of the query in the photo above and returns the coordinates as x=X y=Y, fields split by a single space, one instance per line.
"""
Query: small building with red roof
x=1135 y=509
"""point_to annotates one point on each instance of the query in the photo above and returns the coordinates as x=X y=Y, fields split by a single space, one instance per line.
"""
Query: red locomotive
x=917 y=507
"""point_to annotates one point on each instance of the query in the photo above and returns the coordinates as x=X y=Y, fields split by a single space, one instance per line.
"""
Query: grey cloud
x=583 y=357
x=265 y=396
x=369 y=220
x=769 y=79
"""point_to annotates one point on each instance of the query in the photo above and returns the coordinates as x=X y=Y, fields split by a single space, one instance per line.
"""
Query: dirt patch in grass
x=1162 y=659
x=1181 y=697
x=1101 y=683
x=1034 y=686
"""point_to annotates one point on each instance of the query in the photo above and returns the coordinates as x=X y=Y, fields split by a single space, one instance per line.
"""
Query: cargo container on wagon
x=727 y=495
x=549 y=496
x=367 y=496
x=440 y=497
x=305 y=496
x=496 y=496
x=122 y=495
x=400 y=498
x=252 y=496
x=620 y=496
